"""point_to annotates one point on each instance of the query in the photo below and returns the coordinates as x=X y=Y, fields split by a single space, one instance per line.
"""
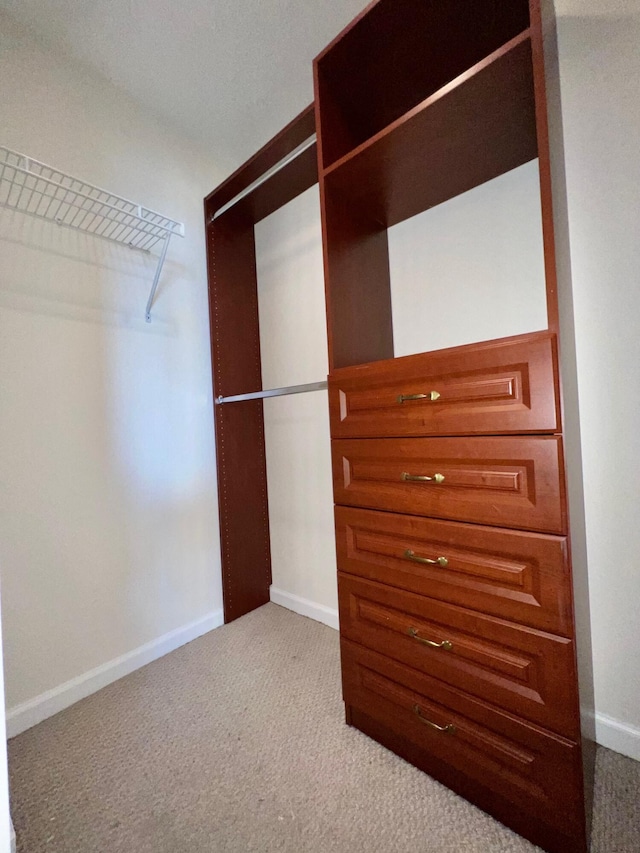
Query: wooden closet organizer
x=455 y=584
x=235 y=355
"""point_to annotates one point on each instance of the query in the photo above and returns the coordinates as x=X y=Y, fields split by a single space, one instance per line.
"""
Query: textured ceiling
x=229 y=73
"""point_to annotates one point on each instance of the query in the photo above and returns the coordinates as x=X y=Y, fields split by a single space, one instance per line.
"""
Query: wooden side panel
x=508 y=482
x=519 y=576
x=555 y=225
x=235 y=348
x=512 y=757
x=527 y=672
x=233 y=301
x=242 y=483
x=501 y=387
x=544 y=159
x=357 y=284
x=244 y=515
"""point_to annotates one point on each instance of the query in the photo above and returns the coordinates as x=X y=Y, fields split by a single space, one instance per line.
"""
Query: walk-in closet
x=317 y=461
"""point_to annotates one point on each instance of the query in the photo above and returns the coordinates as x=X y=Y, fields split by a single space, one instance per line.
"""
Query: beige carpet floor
x=237 y=742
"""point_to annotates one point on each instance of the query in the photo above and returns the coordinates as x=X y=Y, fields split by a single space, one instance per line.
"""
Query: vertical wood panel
x=357 y=282
x=553 y=193
x=242 y=476
x=235 y=352
x=244 y=512
x=544 y=162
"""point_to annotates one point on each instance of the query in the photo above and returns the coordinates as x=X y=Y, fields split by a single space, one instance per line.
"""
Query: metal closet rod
x=265 y=177
x=273 y=392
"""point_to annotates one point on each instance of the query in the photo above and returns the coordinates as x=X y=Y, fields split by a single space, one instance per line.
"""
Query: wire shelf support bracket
x=32 y=187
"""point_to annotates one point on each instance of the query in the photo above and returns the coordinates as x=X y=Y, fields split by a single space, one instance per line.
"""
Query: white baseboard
x=13 y=837
x=618 y=736
x=28 y=714
x=319 y=612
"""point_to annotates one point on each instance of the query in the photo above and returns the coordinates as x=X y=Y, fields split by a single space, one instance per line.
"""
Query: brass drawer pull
x=432 y=395
x=449 y=728
x=439 y=561
x=422 y=478
x=445 y=644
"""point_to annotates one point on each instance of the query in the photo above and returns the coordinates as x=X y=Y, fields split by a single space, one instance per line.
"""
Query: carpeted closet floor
x=237 y=742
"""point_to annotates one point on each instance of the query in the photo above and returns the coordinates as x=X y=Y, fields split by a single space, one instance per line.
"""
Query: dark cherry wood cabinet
x=454 y=570
x=456 y=589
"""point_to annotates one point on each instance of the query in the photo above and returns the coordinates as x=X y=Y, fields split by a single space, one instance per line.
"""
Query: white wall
x=109 y=535
x=293 y=342
x=471 y=269
x=7 y=835
x=599 y=74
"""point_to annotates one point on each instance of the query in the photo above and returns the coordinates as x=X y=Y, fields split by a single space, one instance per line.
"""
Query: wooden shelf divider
x=475 y=128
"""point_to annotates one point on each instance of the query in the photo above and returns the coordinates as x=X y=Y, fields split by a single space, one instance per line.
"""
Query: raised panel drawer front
x=509 y=482
x=538 y=771
x=498 y=387
x=518 y=576
x=520 y=669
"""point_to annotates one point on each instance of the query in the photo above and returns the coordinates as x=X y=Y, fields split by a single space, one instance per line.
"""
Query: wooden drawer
x=497 y=387
x=528 y=672
x=509 y=482
x=522 y=577
x=532 y=768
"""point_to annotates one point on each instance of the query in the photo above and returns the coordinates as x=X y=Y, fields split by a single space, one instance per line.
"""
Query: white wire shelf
x=34 y=188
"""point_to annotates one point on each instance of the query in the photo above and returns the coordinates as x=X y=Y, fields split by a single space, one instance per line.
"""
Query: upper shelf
x=473 y=129
x=397 y=54
x=39 y=190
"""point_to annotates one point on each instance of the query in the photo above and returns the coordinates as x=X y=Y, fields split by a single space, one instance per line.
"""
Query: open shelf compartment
x=417 y=102
x=395 y=55
x=476 y=128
